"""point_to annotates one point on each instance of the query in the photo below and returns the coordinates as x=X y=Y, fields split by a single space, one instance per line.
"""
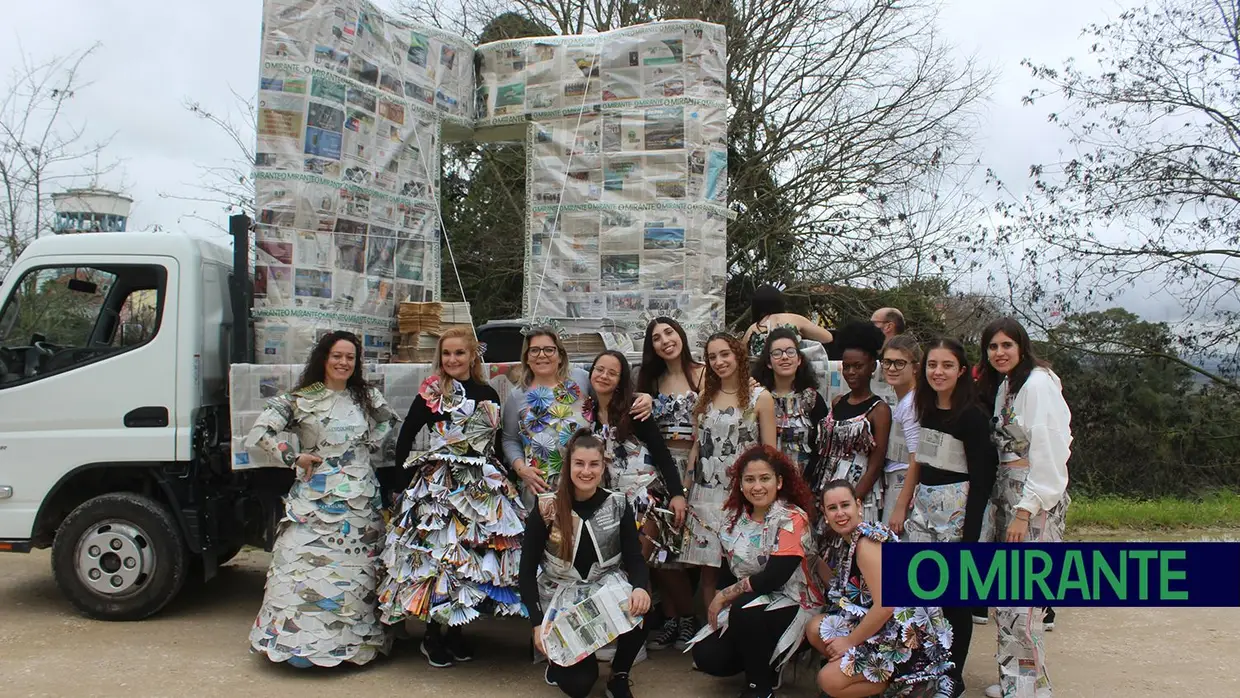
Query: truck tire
x=119 y=556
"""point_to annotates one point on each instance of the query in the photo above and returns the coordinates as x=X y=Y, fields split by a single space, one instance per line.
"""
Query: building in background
x=91 y=210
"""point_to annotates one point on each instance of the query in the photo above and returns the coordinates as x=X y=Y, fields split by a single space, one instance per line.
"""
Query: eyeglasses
x=782 y=353
x=606 y=372
x=897 y=364
x=543 y=351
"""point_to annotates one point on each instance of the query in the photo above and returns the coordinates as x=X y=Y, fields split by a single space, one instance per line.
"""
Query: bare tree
x=226 y=186
x=39 y=151
x=1152 y=195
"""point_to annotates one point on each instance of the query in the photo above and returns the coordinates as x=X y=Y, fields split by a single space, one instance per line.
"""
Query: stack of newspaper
x=420 y=325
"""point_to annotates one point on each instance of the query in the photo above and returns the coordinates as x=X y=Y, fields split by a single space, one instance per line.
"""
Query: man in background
x=889 y=320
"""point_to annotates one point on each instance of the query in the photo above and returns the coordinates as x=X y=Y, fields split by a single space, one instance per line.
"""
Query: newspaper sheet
x=572 y=633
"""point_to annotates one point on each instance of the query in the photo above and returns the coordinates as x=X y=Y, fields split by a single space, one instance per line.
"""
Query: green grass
x=1217 y=510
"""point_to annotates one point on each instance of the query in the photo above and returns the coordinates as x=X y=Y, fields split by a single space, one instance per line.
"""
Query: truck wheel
x=119 y=556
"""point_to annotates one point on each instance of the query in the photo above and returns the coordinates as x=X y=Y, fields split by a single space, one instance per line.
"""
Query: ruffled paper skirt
x=453 y=550
x=912 y=651
x=319 y=604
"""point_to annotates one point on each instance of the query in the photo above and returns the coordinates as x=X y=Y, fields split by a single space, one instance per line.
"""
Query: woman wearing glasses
x=783 y=370
x=545 y=410
x=901 y=363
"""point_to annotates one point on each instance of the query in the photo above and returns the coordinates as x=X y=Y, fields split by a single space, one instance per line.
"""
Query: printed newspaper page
x=572 y=633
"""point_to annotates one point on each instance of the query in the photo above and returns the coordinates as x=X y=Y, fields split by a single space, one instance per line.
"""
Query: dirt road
x=198 y=647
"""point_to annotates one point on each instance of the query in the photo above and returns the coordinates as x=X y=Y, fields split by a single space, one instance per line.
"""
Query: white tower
x=91 y=210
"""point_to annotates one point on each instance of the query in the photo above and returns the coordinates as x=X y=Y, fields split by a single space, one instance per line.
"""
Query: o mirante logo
x=1061 y=574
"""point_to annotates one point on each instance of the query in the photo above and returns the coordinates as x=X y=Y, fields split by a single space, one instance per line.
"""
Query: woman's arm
x=880 y=422
x=983 y=461
x=533 y=546
x=514 y=451
x=419 y=416
x=766 y=419
x=691 y=462
x=382 y=420
x=811 y=330
x=648 y=433
x=1045 y=416
x=631 y=551
x=273 y=421
x=870 y=561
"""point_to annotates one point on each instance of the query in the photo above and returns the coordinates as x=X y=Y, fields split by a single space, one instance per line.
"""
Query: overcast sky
x=155 y=54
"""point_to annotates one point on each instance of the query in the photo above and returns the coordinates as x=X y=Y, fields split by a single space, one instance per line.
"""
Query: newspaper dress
x=319 y=604
x=795 y=427
x=547 y=418
x=937 y=514
x=757 y=338
x=453 y=547
x=722 y=436
x=673 y=415
x=561 y=587
x=845 y=445
x=913 y=648
x=748 y=546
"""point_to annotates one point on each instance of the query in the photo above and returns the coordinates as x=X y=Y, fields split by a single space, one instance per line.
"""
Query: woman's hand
x=1019 y=528
x=897 y=521
x=754 y=384
x=678 y=506
x=538 y=643
x=836 y=647
x=531 y=477
x=305 y=464
x=715 y=608
x=643 y=404
x=639 y=602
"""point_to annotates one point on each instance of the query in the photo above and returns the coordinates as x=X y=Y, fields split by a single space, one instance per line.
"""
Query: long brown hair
x=583 y=438
x=315 y=370
x=622 y=399
x=653 y=366
x=713 y=383
x=964 y=395
x=989 y=377
x=466 y=335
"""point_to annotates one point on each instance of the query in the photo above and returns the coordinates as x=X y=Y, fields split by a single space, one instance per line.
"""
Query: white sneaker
x=993 y=691
x=981 y=620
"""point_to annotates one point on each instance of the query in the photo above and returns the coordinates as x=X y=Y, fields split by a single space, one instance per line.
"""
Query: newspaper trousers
x=747 y=644
x=893 y=484
x=1021 y=654
x=578 y=680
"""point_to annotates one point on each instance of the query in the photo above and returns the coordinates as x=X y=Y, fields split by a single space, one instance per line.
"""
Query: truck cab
x=114 y=354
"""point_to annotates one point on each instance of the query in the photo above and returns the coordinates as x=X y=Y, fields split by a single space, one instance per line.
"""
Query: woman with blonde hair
x=544 y=410
x=434 y=572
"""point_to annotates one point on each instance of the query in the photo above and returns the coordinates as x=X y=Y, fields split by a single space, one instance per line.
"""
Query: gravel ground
x=198 y=647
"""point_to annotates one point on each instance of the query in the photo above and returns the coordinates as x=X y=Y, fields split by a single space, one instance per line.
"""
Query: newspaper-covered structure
x=626 y=161
x=252 y=385
x=351 y=107
x=578 y=629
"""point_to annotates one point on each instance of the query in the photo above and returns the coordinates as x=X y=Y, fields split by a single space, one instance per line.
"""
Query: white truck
x=114 y=421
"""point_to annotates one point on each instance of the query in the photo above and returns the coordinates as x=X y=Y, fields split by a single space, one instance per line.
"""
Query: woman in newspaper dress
x=669 y=373
x=544 y=410
x=853 y=437
x=639 y=465
x=901 y=364
x=909 y=654
x=783 y=370
x=453 y=544
x=583 y=578
x=768 y=308
x=766 y=588
x=731 y=416
x=319 y=604
x=1033 y=430
x=955 y=464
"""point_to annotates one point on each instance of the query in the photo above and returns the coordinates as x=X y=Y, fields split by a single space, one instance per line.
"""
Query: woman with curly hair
x=872 y=649
x=319 y=604
x=853 y=436
x=766 y=597
x=730 y=416
x=458 y=483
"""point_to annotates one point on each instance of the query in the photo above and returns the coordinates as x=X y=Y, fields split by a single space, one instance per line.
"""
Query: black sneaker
x=1048 y=620
x=753 y=692
x=688 y=628
x=619 y=686
x=665 y=636
x=458 y=647
x=435 y=652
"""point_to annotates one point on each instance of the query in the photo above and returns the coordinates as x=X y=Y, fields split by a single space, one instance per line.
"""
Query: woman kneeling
x=871 y=648
x=765 y=598
x=593 y=578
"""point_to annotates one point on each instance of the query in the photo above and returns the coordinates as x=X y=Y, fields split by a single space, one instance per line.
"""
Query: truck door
x=88 y=348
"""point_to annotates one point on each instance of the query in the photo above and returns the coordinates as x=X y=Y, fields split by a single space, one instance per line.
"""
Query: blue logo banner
x=1061 y=574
